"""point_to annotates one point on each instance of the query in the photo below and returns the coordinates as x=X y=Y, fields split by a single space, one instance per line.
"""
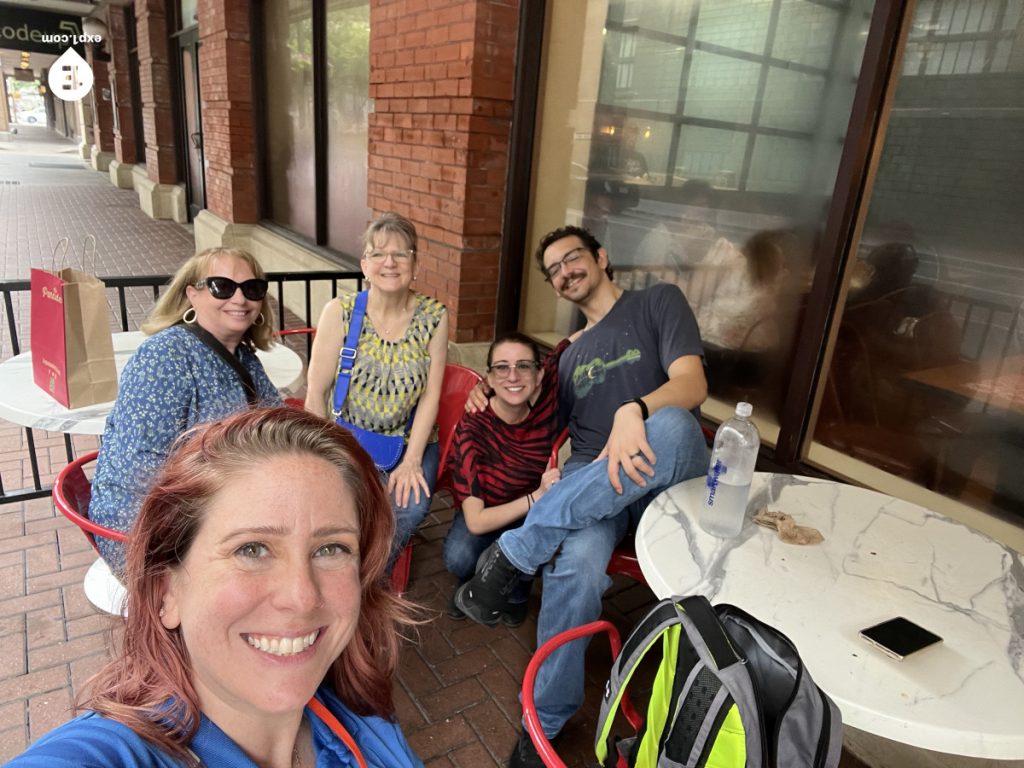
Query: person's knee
x=460 y=555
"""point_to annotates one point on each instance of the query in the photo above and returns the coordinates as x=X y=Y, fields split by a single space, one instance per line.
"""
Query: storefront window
x=927 y=376
x=297 y=188
x=288 y=63
x=348 y=87
x=700 y=143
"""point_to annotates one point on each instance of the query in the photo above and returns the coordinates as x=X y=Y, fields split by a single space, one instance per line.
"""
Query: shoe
x=485 y=597
x=514 y=615
x=454 y=612
x=525 y=754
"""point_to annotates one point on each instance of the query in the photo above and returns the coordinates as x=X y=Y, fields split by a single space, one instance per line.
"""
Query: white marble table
x=881 y=558
x=24 y=403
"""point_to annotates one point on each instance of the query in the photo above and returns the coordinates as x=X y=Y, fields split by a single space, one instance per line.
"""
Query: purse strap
x=348 y=352
x=339 y=730
x=213 y=343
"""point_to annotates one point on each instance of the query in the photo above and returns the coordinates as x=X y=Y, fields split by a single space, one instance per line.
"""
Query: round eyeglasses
x=550 y=273
x=378 y=257
x=504 y=370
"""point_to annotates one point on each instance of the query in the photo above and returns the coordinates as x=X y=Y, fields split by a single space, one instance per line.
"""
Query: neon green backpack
x=731 y=692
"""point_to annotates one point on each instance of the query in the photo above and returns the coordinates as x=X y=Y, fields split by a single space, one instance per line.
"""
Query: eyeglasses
x=379 y=256
x=254 y=289
x=504 y=370
x=550 y=273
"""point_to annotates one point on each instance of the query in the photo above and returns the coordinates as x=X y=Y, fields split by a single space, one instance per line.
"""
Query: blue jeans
x=462 y=548
x=409 y=517
x=583 y=519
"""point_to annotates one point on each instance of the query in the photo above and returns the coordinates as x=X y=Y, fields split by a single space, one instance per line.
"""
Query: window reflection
x=927 y=377
x=715 y=135
x=288 y=96
x=348 y=105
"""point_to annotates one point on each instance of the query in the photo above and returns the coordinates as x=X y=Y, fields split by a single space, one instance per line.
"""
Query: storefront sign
x=39 y=32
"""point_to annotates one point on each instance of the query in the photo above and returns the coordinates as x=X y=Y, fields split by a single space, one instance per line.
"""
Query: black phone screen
x=900 y=637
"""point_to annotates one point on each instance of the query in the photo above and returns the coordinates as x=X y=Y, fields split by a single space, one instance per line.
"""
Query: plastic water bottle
x=729 y=474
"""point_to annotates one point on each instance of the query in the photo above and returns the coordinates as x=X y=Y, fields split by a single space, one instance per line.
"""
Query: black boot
x=525 y=755
x=484 y=598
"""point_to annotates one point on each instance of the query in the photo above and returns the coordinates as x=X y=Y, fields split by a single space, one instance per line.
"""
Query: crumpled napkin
x=789 y=531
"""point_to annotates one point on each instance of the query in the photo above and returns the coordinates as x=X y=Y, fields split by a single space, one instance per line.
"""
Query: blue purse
x=385 y=450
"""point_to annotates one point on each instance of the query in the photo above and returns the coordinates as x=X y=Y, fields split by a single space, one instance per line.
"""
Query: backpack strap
x=671 y=620
x=660 y=618
x=698 y=609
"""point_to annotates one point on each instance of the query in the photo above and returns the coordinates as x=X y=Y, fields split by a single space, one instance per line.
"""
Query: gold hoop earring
x=190 y=320
x=259 y=320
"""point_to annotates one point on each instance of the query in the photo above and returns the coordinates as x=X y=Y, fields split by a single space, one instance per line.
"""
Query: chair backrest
x=310 y=334
x=72 y=492
x=455 y=389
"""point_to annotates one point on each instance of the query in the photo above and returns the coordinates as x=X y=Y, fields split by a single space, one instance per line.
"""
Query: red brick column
x=117 y=47
x=441 y=75
x=155 y=87
x=103 y=113
x=225 y=83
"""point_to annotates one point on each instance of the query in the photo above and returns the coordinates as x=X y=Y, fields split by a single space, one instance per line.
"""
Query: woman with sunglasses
x=498 y=459
x=395 y=384
x=215 y=310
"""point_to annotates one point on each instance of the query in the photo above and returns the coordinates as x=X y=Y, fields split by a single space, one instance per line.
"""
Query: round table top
x=24 y=403
x=881 y=558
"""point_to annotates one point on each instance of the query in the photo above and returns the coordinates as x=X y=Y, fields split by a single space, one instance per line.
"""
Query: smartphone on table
x=899 y=637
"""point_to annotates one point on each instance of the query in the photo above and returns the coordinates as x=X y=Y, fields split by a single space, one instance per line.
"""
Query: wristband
x=643 y=406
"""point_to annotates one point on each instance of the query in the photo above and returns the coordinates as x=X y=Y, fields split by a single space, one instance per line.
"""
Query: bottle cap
x=743 y=410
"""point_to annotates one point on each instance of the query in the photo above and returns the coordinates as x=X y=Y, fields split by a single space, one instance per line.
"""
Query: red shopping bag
x=72 y=348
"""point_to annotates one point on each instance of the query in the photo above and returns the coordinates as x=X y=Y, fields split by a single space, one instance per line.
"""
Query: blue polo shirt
x=94 y=741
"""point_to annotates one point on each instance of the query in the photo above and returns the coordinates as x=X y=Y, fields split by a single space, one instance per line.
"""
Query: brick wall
x=155 y=87
x=226 y=89
x=117 y=46
x=441 y=76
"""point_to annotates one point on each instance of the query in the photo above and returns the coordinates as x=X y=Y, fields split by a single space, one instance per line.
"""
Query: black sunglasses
x=222 y=288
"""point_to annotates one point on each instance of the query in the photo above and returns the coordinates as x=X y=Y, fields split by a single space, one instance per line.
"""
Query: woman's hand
x=547 y=480
x=478 y=397
x=406 y=480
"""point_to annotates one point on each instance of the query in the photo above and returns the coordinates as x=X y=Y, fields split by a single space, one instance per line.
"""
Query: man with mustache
x=630 y=383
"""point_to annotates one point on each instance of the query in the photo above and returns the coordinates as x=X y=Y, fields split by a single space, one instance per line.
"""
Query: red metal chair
x=544 y=749
x=458 y=381
x=295 y=402
x=72 y=492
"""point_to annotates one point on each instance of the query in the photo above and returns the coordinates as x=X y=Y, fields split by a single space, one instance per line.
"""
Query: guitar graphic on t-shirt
x=588 y=374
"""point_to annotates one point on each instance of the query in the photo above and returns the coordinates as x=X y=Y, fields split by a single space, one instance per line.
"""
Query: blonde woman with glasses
x=395 y=384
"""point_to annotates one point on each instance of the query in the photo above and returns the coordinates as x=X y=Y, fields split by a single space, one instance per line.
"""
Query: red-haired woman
x=260 y=631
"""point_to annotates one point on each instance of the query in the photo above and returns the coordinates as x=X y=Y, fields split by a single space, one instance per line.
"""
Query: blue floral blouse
x=171 y=383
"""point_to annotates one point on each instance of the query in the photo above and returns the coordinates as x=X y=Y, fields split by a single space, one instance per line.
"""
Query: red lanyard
x=332 y=722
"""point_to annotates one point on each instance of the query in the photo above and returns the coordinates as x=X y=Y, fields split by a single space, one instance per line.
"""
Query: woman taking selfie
x=198 y=365
x=260 y=631
x=394 y=385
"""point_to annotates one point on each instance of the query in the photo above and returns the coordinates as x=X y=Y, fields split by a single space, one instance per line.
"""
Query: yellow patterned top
x=388 y=377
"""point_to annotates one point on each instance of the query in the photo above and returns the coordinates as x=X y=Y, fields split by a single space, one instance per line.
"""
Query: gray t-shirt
x=626 y=355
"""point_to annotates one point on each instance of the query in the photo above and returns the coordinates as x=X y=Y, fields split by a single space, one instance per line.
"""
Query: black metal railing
x=16 y=303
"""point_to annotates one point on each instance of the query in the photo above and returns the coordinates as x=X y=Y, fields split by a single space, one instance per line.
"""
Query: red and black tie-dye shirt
x=499 y=462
